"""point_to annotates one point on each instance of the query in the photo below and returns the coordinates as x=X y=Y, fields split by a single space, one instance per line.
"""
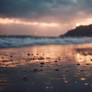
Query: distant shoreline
x=26 y=36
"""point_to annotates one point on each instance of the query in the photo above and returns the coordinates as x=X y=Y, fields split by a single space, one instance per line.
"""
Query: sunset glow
x=85 y=22
x=5 y=21
x=78 y=24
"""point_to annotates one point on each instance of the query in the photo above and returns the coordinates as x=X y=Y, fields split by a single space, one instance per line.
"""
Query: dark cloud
x=24 y=8
x=41 y=8
x=37 y=9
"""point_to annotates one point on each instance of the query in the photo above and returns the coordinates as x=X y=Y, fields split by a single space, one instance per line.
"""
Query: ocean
x=9 y=42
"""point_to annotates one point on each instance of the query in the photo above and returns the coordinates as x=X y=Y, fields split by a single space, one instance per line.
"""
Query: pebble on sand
x=5 y=60
x=87 y=64
x=81 y=70
x=11 y=56
x=56 y=61
x=48 y=58
x=41 y=70
x=35 y=70
x=25 y=78
x=56 y=69
x=78 y=64
x=40 y=58
x=42 y=63
x=28 y=54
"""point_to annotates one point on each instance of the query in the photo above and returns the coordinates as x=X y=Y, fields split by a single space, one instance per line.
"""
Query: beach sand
x=47 y=68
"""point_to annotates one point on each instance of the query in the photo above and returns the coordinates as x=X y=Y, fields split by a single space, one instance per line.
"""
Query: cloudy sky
x=43 y=17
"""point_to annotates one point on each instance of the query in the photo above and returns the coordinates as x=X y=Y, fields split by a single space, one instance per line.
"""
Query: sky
x=43 y=17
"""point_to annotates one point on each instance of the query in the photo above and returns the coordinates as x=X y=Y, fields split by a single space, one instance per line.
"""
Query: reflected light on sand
x=84 y=56
x=33 y=55
x=50 y=63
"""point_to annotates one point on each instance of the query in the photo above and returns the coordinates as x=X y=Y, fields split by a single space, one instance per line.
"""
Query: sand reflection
x=84 y=55
x=24 y=56
x=52 y=65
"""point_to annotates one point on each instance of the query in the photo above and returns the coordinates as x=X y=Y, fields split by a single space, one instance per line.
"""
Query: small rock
x=37 y=54
x=11 y=56
x=35 y=70
x=48 y=58
x=34 y=58
x=28 y=54
x=25 y=78
x=56 y=61
x=56 y=69
x=81 y=70
x=42 y=63
x=5 y=60
x=41 y=70
x=87 y=64
x=78 y=64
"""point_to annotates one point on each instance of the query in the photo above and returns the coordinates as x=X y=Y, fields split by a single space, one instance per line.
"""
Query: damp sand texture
x=48 y=68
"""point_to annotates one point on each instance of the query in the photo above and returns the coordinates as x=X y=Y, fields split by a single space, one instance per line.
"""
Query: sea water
x=8 y=42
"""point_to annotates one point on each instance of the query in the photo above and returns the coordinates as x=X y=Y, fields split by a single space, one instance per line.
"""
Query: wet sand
x=49 y=68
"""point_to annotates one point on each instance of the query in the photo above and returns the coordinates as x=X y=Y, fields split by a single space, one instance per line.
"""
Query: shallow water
x=48 y=68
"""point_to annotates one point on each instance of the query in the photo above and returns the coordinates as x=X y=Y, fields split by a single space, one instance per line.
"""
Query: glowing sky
x=43 y=17
x=5 y=21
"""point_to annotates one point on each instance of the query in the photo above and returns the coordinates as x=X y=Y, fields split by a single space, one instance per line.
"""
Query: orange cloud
x=5 y=21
